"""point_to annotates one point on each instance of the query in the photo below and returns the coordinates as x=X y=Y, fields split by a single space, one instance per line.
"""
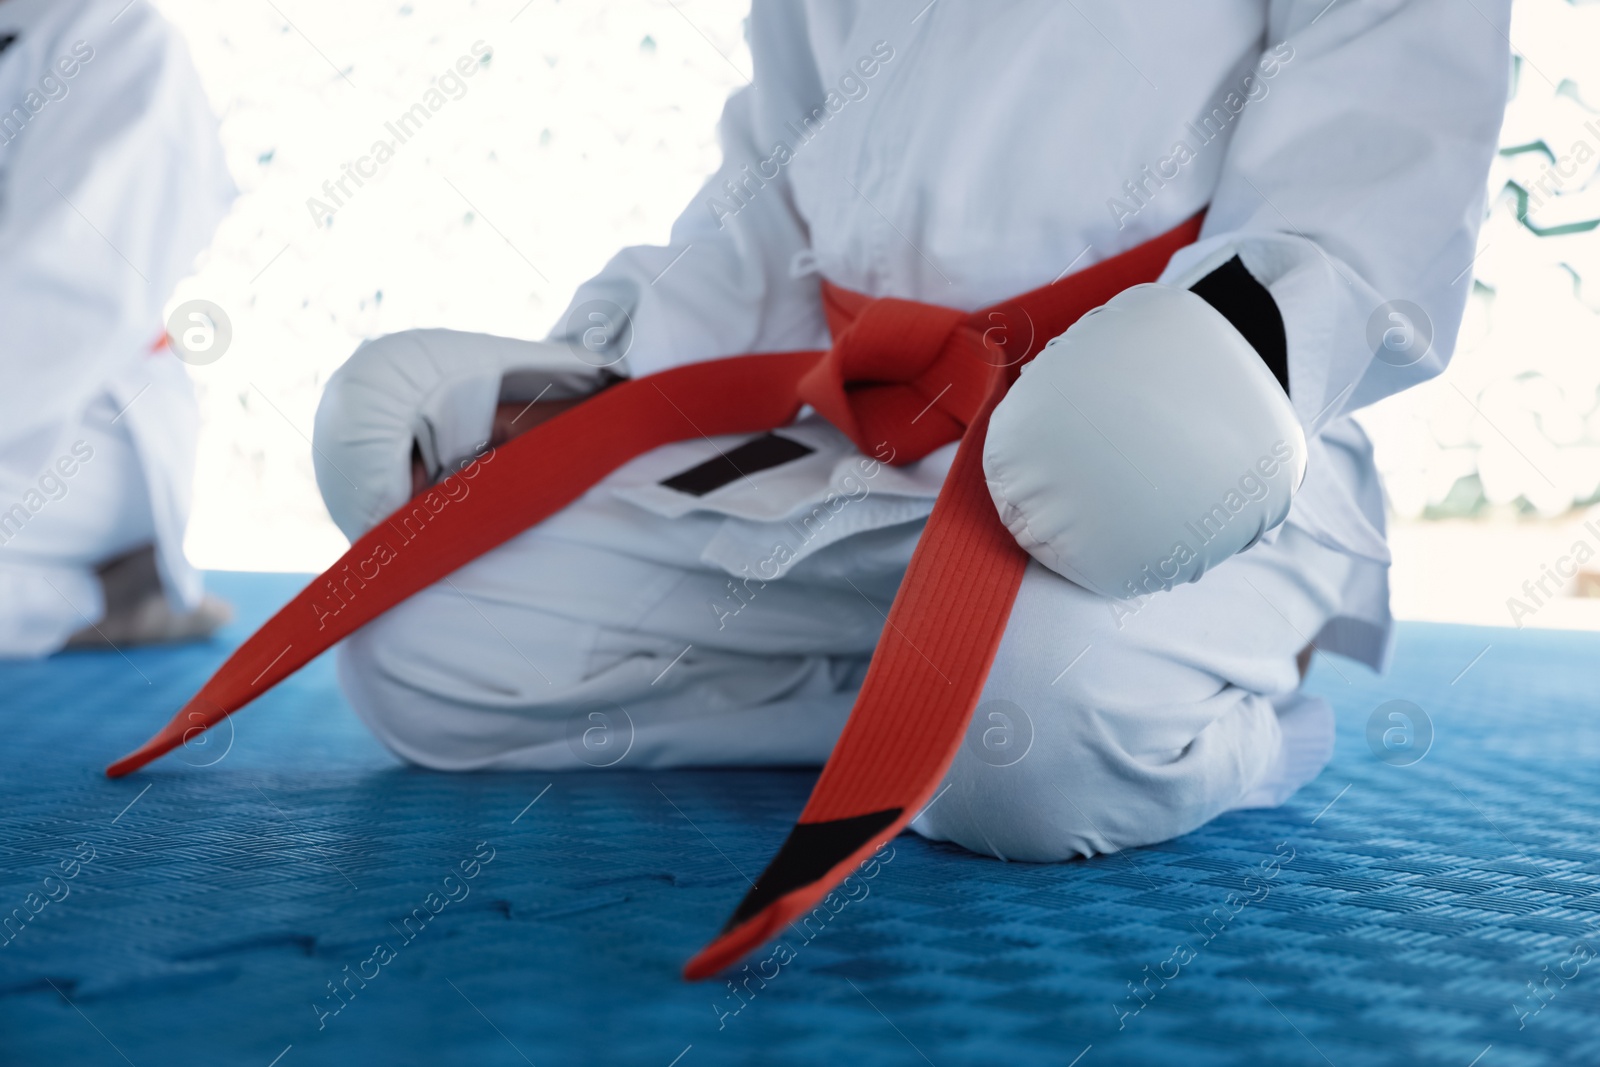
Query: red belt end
x=170 y=737
x=732 y=946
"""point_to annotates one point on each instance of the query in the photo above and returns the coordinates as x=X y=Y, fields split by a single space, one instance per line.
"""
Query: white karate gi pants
x=592 y=641
x=131 y=459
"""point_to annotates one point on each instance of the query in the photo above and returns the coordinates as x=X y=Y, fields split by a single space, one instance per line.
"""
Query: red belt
x=900 y=374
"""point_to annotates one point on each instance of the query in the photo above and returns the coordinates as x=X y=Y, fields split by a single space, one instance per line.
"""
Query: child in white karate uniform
x=111 y=182
x=953 y=154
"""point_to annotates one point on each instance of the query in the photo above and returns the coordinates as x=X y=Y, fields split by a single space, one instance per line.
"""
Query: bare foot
x=137 y=612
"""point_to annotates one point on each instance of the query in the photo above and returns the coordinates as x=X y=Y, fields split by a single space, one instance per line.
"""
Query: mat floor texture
x=201 y=912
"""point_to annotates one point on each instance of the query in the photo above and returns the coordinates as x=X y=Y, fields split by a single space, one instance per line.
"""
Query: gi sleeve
x=1354 y=186
x=113 y=182
x=726 y=282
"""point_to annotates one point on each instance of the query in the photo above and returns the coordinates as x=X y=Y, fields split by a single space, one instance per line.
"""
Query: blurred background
x=588 y=126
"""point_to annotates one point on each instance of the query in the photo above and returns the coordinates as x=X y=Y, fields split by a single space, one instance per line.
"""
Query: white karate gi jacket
x=959 y=153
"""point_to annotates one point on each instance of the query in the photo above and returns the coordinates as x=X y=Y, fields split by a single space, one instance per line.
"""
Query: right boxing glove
x=432 y=391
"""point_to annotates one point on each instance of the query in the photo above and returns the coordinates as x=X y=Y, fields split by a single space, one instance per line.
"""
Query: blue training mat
x=215 y=897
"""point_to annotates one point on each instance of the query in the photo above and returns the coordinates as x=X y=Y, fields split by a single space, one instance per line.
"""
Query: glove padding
x=434 y=389
x=1143 y=446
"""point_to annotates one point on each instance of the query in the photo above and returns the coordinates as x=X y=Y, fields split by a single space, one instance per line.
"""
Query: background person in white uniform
x=111 y=182
x=955 y=154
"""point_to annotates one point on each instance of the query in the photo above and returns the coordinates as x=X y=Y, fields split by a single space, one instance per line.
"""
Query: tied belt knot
x=909 y=375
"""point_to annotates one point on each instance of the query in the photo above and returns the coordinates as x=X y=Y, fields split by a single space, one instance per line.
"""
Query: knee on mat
x=433 y=706
x=1076 y=791
x=394 y=709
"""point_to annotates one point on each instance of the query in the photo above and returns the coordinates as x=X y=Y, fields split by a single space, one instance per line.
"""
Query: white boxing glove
x=1144 y=446
x=436 y=389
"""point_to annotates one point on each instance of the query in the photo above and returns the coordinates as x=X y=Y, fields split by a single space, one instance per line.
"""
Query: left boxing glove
x=434 y=391
x=1144 y=446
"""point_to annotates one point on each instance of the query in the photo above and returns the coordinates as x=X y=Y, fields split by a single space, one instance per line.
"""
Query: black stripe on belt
x=757 y=454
